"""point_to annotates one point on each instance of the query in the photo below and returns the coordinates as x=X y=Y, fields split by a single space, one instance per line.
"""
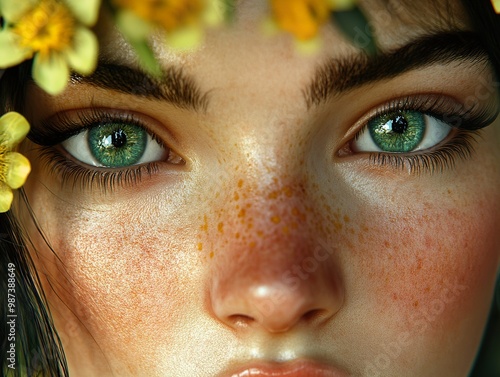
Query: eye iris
x=400 y=131
x=117 y=145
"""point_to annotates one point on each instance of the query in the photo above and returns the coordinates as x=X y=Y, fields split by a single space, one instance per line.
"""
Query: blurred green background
x=488 y=360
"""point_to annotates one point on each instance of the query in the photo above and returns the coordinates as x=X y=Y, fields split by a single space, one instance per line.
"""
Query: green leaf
x=355 y=26
x=146 y=57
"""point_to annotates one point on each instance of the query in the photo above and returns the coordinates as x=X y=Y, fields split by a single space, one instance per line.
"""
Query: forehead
x=393 y=23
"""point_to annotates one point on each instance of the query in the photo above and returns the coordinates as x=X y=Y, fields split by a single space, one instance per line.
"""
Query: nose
x=275 y=304
x=276 y=280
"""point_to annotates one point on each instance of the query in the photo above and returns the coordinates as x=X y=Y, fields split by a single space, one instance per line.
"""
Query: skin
x=266 y=245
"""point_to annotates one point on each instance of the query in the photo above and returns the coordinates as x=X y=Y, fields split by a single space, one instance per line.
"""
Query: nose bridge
x=273 y=268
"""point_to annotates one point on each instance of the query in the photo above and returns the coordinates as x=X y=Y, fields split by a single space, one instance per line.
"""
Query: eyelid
x=437 y=105
x=61 y=126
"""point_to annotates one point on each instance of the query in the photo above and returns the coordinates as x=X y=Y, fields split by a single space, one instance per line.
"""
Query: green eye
x=400 y=131
x=117 y=145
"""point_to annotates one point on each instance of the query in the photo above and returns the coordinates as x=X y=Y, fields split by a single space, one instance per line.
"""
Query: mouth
x=290 y=369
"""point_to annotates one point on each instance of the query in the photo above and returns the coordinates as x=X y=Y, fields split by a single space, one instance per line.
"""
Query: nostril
x=315 y=316
x=240 y=320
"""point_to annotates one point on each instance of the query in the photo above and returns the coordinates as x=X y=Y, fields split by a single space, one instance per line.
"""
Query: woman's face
x=259 y=230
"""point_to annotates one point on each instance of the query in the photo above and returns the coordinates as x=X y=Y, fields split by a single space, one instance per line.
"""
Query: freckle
x=285 y=230
x=387 y=244
x=204 y=227
x=240 y=183
x=295 y=211
x=252 y=244
x=394 y=296
x=241 y=213
x=415 y=304
x=236 y=196
x=211 y=254
x=273 y=195
x=427 y=289
x=260 y=233
x=199 y=246
x=276 y=219
x=294 y=225
x=217 y=194
x=250 y=225
x=337 y=225
x=237 y=235
x=220 y=227
x=288 y=191
x=346 y=219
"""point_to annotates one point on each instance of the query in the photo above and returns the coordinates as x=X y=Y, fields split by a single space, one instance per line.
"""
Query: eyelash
x=469 y=122
x=51 y=133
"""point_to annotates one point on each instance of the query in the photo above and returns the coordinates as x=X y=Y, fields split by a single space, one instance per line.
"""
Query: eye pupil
x=399 y=124
x=118 y=138
x=398 y=132
x=117 y=145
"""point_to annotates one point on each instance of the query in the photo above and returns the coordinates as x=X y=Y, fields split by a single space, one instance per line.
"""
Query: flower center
x=46 y=27
x=3 y=163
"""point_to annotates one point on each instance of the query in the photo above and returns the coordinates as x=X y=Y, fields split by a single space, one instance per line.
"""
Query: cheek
x=427 y=271
x=125 y=278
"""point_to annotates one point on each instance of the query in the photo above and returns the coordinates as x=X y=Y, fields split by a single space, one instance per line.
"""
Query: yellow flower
x=169 y=14
x=182 y=20
x=496 y=5
x=302 y=18
x=51 y=32
x=14 y=167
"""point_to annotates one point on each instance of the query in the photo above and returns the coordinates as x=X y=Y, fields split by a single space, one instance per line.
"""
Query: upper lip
x=289 y=369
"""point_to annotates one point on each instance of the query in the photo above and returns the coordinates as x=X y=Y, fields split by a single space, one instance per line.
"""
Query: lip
x=289 y=369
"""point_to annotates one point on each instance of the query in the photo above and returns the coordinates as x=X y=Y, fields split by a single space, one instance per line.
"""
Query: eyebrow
x=339 y=75
x=174 y=86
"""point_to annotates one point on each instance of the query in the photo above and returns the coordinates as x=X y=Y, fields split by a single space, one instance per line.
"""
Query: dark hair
x=38 y=348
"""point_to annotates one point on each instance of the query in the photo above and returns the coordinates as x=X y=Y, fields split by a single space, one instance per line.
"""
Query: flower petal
x=132 y=26
x=10 y=52
x=496 y=5
x=13 y=10
x=6 y=197
x=51 y=74
x=13 y=129
x=18 y=168
x=86 y=11
x=185 y=38
x=83 y=56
